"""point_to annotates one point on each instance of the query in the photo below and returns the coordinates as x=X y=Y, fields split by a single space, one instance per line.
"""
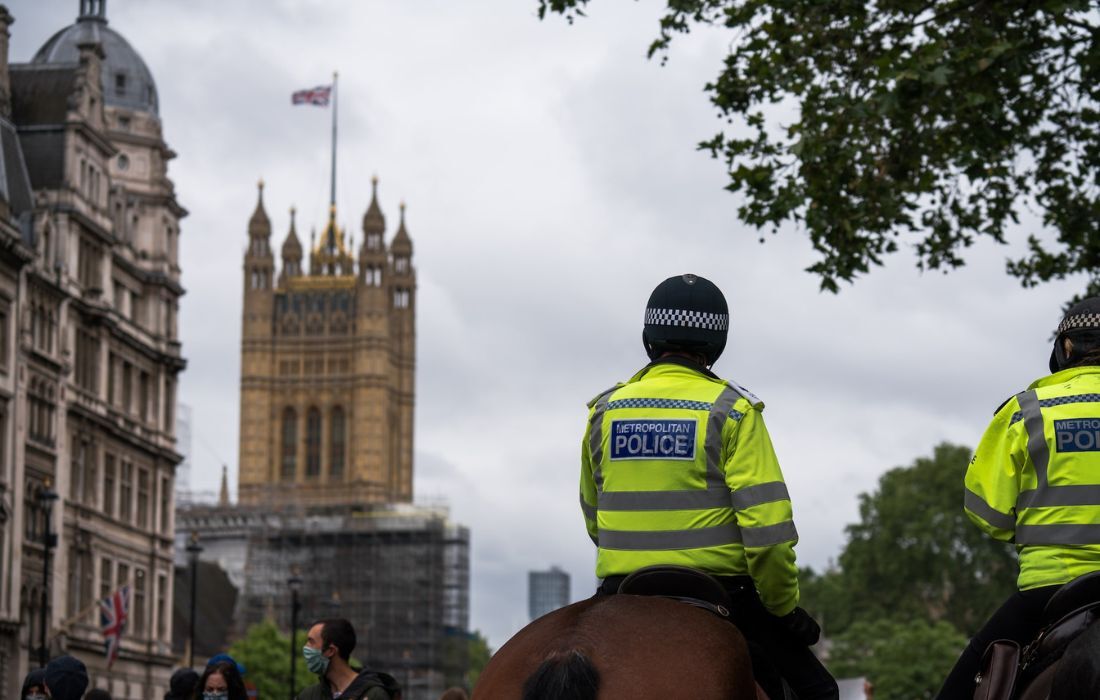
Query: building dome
x=127 y=82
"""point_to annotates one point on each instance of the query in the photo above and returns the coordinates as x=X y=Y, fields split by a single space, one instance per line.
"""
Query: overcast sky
x=552 y=182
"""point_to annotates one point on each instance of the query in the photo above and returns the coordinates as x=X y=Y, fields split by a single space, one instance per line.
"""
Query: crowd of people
x=329 y=644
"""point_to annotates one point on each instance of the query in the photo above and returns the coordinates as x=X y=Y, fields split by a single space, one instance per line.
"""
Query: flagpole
x=332 y=190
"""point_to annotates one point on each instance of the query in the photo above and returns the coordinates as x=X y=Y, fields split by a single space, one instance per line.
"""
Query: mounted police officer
x=1035 y=481
x=677 y=468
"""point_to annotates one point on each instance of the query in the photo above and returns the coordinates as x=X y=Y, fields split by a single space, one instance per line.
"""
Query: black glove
x=804 y=628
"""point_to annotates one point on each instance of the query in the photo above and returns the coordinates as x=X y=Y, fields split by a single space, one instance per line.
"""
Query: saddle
x=682 y=584
x=1006 y=668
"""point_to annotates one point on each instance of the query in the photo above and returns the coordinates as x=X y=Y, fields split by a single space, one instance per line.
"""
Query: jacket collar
x=673 y=362
x=1065 y=375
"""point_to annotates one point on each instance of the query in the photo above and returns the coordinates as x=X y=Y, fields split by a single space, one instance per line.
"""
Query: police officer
x=1035 y=481
x=677 y=468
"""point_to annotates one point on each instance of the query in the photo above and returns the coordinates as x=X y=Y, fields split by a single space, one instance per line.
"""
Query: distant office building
x=546 y=591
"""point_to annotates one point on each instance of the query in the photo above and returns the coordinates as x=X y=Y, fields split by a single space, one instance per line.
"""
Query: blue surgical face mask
x=215 y=695
x=316 y=661
x=35 y=696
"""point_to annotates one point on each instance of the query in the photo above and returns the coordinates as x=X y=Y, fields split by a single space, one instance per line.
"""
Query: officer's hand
x=804 y=628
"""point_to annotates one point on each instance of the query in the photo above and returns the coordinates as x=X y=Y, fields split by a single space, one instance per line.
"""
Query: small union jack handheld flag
x=318 y=96
x=113 y=612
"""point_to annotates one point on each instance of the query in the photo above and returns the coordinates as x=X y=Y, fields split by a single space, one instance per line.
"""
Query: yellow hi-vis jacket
x=677 y=468
x=1035 y=478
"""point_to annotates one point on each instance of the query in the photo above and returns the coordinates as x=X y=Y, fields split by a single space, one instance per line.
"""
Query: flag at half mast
x=318 y=96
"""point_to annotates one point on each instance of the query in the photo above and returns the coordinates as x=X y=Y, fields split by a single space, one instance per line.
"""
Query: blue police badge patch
x=652 y=439
x=1077 y=435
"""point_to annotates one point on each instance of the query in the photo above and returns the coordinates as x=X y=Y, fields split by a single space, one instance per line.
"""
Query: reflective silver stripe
x=719 y=414
x=1058 y=534
x=693 y=499
x=1071 y=495
x=977 y=505
x=1037 y=446
x=589 y=511
x=760 y=494
x=650 y=540
x=769 y=534
x=595 y=438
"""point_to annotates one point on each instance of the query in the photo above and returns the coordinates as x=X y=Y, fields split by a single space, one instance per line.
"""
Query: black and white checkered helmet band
x=1079 y=322
x=684 y=318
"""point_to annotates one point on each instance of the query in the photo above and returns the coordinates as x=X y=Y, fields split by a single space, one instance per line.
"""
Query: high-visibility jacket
x=1035 y=477
x=678 y=468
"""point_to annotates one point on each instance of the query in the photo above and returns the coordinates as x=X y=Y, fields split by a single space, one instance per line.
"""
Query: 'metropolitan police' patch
x=1077 y=435
x=652 y=439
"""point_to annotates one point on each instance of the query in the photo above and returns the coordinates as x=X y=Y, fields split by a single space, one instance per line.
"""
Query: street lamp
x=46 y=497
x=193 y=549
x=295 y=584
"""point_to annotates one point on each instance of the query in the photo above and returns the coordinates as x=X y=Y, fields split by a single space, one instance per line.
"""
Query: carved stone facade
x=327 y=361
x=89 y=356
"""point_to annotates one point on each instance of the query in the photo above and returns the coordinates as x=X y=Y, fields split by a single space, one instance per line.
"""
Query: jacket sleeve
x=588 y=486
x=992 y=482
x=763 y=510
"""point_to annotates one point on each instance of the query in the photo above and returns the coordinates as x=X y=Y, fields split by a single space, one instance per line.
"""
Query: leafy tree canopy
x=915 y=555
x=922 y=122
x=903 y=660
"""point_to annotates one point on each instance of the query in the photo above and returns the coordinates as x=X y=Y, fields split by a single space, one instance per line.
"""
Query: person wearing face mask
x=221 y=681
x=328 y=652
x=34 y=685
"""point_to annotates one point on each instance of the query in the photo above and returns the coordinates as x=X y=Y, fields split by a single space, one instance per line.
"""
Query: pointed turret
x=259 y=263
x=373 y=221
x=259 y=226
x=292 y=252
x=372 y=254
x=402 y=244
x=223 y=495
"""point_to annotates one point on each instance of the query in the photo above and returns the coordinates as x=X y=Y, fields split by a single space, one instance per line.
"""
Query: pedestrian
x=1032 y=482
x=182 y=684
x=221 y=681
x=97 y=694
x=66 y=678
x=34 y=685
x=328 y=648
x=677 y=468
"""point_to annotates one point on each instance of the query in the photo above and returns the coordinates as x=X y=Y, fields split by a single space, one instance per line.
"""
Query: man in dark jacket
x=327 y=652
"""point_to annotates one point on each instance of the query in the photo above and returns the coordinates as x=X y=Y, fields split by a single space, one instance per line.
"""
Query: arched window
x=313 y=442
x=338 y=445
x=290 y=444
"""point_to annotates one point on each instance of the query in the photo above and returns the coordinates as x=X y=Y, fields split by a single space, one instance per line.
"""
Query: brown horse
x=622 y=646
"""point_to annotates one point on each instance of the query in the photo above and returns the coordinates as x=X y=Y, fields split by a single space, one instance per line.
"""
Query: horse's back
x=637 y=647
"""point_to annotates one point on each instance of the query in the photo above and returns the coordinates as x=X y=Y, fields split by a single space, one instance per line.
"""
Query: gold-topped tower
x=327 y=361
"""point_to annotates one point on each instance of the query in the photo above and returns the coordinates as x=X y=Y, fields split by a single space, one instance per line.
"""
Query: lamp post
x=294 y=583
x=46 y=496
x=193 y=549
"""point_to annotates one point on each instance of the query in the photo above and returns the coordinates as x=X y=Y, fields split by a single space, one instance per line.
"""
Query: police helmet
x=686 y=313
x=1080 y=324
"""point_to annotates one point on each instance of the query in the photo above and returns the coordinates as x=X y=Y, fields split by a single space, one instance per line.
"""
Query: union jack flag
x=113 y=612
x=318 y=96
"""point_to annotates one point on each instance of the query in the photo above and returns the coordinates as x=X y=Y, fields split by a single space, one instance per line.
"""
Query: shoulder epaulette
x=752 y=398
x=1005 y=403
x=603 y=393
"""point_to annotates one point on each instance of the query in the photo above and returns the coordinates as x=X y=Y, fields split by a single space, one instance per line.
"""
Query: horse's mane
x=564 y=675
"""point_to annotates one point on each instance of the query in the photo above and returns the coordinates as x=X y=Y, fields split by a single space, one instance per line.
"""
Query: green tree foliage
x=921 y=122
x=915 y=553
x=903 y=660
x=265 y=653
x=479 y=656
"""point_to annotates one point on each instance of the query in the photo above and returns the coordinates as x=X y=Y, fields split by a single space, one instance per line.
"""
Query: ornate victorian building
x=89 y=356
x=327 y=360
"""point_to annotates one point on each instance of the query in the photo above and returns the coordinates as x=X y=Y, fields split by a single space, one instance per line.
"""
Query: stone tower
x=327 y=362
